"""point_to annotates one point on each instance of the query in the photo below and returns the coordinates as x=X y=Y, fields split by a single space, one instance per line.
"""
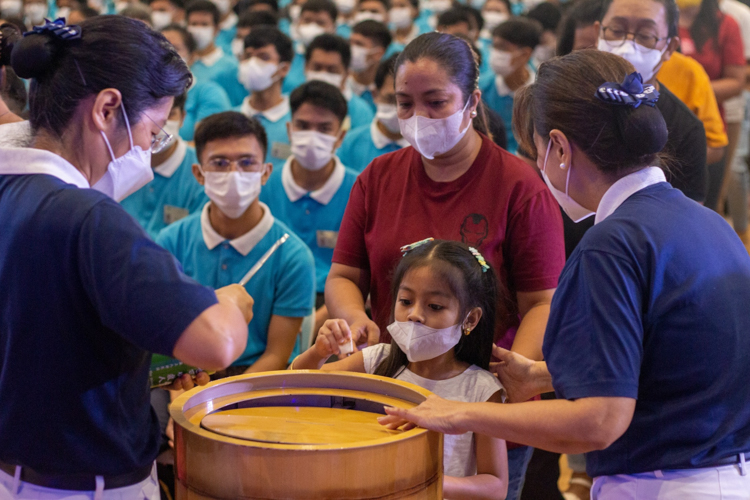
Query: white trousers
x=148 y=489
x=712 y=483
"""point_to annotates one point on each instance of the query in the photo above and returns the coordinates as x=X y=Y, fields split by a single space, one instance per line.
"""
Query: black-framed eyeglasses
x=244 y=164
x=615 y=35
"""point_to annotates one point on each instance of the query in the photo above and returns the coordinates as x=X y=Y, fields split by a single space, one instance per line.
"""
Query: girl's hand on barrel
x=185 y=382
x=332 y=334
x=435 y=413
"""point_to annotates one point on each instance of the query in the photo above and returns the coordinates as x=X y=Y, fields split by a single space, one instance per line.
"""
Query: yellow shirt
x=687 y=79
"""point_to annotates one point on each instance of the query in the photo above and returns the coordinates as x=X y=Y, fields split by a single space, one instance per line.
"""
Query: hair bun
x=643 y=129
x=9 y=35
x=32 y=56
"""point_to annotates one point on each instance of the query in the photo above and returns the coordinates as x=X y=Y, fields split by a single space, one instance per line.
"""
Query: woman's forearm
x=726 y=88
x=530 y=334
x=344 y=300
x=477 y=487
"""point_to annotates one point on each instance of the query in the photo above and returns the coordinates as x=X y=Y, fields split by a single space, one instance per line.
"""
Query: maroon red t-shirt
x=500 y=206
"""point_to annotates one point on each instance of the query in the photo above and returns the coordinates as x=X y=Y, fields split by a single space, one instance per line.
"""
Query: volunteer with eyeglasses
x=452 y=183
x=646 y=344
x=87 y=296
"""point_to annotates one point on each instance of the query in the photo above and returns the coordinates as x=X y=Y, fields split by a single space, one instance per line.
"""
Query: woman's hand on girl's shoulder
x=333 y=338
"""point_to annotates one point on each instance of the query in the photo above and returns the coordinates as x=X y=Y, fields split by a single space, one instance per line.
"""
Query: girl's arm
x=333 y=333
x=491 y=480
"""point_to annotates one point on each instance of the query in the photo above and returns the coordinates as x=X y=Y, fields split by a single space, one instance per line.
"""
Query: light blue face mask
x=572 y=208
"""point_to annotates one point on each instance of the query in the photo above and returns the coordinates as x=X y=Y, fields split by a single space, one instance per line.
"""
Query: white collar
x=358 y=88
x=323 y=195
x=171 y=164
x=624 y=188
x=230 y=22
x=347 y=93
x=273 y=114
x=503 y=89
x=300 y=49
x=379 y=138
x=212 y=57
x=243 y=244
x=24 y=161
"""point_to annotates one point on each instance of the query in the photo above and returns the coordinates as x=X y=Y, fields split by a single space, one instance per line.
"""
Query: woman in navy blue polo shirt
x=647 y=341
x=85 y=295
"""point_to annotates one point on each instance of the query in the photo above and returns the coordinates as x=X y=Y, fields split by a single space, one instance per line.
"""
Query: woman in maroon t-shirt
x=453 y=183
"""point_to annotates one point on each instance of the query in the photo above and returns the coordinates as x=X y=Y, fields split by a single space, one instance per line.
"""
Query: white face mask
x=571 y=207
x=359 y=59
x=346 y=6
x=294 y=12
x=203 y=35
x=501 y=62
x=11 y=8
x=256 y=75
x=646 y=61
x=127 y=174
x=493 y=19
x=400 y=17
x=420 y=342
x=368 y=16
x=232 y=192
x=238 y=47
x=311 y=149
x=387 y=114
x=172 y=127
x=222 y=5
x=438 y=6
x=434 y=136
x=35 y=13
x=161 y=19
x=333 y=78
x=308 y=32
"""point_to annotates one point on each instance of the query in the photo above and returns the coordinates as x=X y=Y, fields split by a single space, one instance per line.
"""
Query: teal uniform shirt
x=359 y=111
x=227 y=33
x=344 y=30
x=274 y=120
x=364 y=144
x=173 y=194
x=220 y=67
x=284 y=285
x=499 y=98
x=296 y=75
x=361 y=91
x=203 y=99
x=314 y=216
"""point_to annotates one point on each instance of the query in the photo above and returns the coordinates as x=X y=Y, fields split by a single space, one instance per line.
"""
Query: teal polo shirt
x=284 y=285
x=173 y=194
x=360 y=112
x=274 y=120
x=499 y=98
x=314 y=216
x=227 y=33
x=296 y=75
x=221 y=68
x=364 y=144
x=203 y=99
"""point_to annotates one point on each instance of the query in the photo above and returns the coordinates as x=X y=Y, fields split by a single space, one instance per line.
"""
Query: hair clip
x=57 y=29
x=480 y=259
x=408 y=248
x=631 y=92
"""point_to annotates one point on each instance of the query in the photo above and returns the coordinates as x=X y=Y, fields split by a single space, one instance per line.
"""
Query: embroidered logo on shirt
x=327 y=239
x=173 y=214
x=474 y=230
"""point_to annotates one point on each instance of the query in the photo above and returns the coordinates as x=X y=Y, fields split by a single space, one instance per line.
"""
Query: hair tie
x=408 y=248
x=57 y=29
x=480 y=259
x=631 y=92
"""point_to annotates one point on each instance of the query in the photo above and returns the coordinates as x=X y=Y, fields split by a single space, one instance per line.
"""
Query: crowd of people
x=396 y=174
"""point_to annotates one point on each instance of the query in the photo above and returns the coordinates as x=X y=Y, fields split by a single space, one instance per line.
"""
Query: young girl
x=445 y=302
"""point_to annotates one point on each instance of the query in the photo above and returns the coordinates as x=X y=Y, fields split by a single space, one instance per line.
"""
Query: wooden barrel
x=302 y=435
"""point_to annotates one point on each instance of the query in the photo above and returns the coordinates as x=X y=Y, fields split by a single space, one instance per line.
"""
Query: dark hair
x=520 y=31
x=375 y=31
x=203 y=6
x=385 y=3
x=581 y=14
x=456 y=56
x=261 y=36
x=706 y=25
x=321 y=6
x=672 y=17
x=472 y=287
x=246 y=5
x=9 y=35
x=86 y=11
x=187 y=37
x=180 y=4
x=415 y=4
x=320 y=94
x=179 y=101
x=547 y=14
x=453 y=16
x=617 y=139
x=113 y=52
x=13 y=92
x=385 y=68
x=330 y=43
x=253 y=18
x=137 y=11
x=228 y=125
x=474 y=14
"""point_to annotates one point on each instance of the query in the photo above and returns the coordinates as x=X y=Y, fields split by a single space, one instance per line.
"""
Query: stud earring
x=562 y=165
x=467 y=331
x=473 y=114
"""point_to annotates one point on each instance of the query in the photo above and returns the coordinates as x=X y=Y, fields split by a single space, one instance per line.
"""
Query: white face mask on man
x=256 y=75
x=334 y=79
x=572 y=208
x=312 y=150
x=646 y=61
x=308 y=32
x=420 y=342
x=501 y=62
x=203 y=36
x=434 y=136
x=127 y=174
x=232 y=192
x=387 y=114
